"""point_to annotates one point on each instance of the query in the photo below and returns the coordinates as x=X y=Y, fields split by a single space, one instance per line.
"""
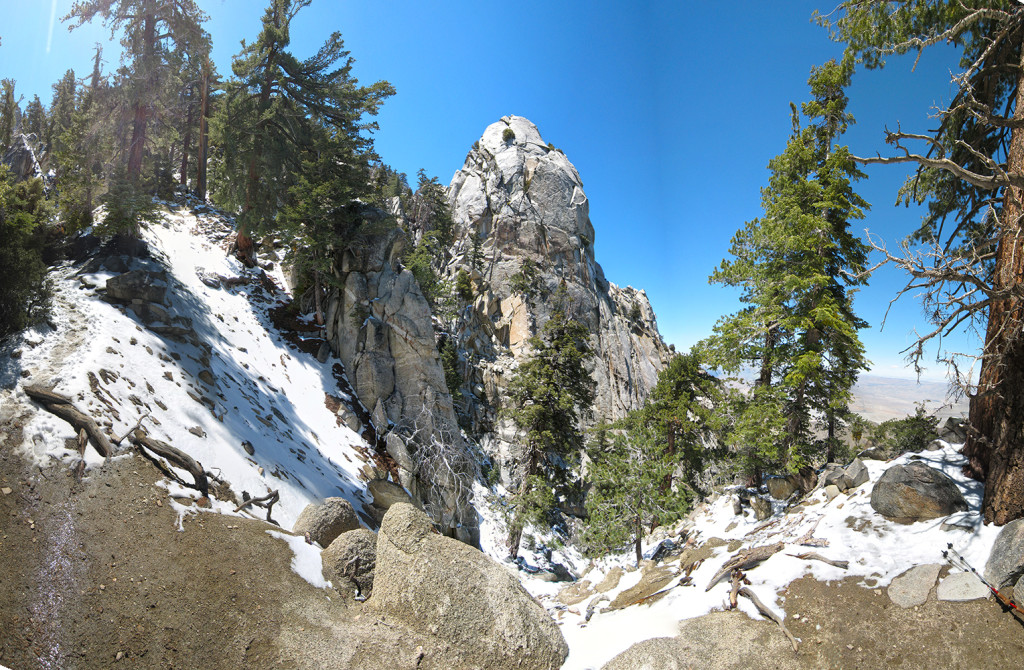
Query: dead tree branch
x=63 y=408
x=177 y=457
x=747 y=593
x=266 y=502
x=812 y=556
x=744 y=561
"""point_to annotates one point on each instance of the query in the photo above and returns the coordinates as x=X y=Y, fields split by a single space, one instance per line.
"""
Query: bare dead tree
x=444 y=469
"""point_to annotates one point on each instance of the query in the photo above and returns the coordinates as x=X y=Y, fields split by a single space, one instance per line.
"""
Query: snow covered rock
x=21 y=160
x=442 y=587
x=138 y=285
x=915 y=491
x=349 y=562
x=1006 y=562
x=912 y=587
x=327 y=521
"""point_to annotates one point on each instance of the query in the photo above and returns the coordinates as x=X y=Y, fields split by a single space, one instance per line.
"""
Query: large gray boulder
x=714 y=641
x=1005 y=564
x=349 y=562
x=915 y=491
x=326 y=521
x=444 y=588
x=21 y=160
x=137 y=285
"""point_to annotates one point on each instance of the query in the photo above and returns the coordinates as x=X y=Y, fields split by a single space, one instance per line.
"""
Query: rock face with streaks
x=521 y=230
x=379 y=324
x=522 y=220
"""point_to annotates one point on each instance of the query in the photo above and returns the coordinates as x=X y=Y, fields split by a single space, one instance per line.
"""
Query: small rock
x=961 y=586
x=249 y=449
x=6 y=490
x=831 y=491
x=762 y=507
x=912 y=587
x=206 y=377
x=857 y=473
x=197 y=431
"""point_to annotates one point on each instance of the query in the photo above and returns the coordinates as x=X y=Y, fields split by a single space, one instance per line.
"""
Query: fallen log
x=770 y=614
x=744 y=561
x=812 y=556
x=62 y=407
x=177 y=457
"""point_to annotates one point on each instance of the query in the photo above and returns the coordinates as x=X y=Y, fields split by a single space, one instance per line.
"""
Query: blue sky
x=669 y=110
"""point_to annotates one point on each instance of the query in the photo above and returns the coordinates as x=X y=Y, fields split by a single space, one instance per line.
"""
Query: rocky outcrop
x=522 y=220
x=20 y=158
x=915 y=491
x=447 y=589
x=379 y=324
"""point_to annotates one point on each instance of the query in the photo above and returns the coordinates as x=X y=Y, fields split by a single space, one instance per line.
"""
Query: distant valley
x=880 y=398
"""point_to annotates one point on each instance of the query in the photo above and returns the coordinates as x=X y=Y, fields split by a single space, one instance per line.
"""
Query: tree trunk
x=515 y=530
x=995 y=444
x=186 y=141
x=636 y=545
x=141 y=106
x=203 y=133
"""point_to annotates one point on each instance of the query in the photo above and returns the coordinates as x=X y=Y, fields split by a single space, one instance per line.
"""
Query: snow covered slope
x=221 y=384
x=843 y=529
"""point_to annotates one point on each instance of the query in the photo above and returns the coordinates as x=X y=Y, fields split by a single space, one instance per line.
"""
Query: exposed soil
x=96 y=574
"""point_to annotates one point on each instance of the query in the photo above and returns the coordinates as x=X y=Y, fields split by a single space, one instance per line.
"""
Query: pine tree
x=146 y=27
x=971 y=175
x=35 y=118
x=8 y=112
x=271 y=112
x=548 y=396
x=634 y=476
x=77 y=153
x=797 y=265
x=23 y=289
x=62 y=108
x=628 y=493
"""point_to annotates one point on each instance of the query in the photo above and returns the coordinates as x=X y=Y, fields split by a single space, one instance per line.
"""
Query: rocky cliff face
x=522 y=218
x=379 y=324
x=521 y=229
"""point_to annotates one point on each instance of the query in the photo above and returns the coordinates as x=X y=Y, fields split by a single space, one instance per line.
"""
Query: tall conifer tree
x=796 y=266
x=274 y=110
x=971 y=175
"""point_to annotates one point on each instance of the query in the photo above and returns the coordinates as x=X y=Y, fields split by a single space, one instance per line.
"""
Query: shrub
x=525 y=281
x=508 y=135
x=24 y=294
x=463 y=286
x=912 y=433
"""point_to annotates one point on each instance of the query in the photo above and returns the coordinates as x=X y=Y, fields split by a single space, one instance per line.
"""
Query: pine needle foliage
x=798 y=267
x=548 y=396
